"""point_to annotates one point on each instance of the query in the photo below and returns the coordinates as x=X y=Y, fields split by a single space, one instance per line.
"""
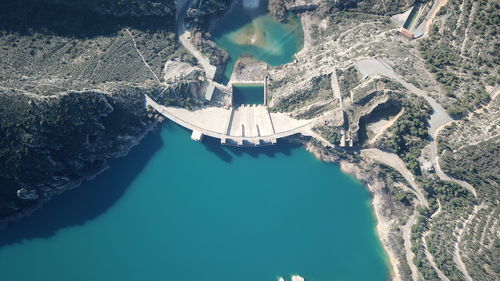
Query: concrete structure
x=248 y=71
x=242 y=126
x=209 y=93
x=407 y=33
x=197 y=136
x=408 y=20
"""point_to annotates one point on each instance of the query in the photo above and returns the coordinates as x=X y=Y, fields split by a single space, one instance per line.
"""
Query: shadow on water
x=91 y=199
x=226 y=153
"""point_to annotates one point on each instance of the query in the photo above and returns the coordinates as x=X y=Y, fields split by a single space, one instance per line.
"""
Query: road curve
x=185 y=39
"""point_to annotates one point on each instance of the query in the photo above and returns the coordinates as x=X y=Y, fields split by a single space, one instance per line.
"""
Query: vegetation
x=409 y=133
x=203 y=42
x=61 y=139
x=277 y=8
x=377 y=7
x=348 y=79
x=462 y=52
x=478 y=165
x=52 y=132
x=420 y=260
x=320 y=89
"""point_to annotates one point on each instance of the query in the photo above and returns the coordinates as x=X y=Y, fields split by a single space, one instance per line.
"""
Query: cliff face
x=51 y=143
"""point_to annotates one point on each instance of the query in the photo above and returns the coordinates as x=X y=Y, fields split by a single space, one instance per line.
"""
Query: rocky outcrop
x=278 y=9
x=202 y=41
x=56 y=142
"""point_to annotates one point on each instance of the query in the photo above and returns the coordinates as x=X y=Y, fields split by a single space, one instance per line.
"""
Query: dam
x=256 y=41
x=246 y=125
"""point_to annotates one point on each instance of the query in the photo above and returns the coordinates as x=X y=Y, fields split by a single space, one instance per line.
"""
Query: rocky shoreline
x=380 y=202
x=133 y=141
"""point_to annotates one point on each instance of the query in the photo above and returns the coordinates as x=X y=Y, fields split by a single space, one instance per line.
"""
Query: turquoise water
x=254 y=33
x=248 y=94
x=175 y=209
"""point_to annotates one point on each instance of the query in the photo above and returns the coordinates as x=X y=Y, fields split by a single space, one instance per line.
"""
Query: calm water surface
x=179 y=210
x=248 y=94
x=253 y=32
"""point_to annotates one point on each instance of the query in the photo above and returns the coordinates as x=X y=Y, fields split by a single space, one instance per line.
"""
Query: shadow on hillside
x=29 y=16
x=91 y=199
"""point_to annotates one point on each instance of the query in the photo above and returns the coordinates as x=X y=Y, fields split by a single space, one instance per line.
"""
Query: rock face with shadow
x=88 y=201
x=50 y=144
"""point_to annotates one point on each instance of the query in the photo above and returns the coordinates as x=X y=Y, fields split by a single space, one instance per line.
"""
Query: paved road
x=212 y=122
x=371 y=66
x=185 y=39
x=406 y=229
x=395 y=162
x=435 y=163
x=439 y=117
x=336 y=87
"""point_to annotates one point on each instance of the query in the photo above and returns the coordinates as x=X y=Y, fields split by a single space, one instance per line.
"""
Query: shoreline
x=374 y=185
x=382 y=226
x=38 y=206
x=370 y=182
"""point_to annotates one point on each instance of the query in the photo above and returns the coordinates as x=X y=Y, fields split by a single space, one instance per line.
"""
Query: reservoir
x=248 y=94
x=250 y=31
x=179 y=210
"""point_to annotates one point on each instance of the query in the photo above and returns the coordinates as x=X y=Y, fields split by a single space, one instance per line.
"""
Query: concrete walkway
x=244 y=126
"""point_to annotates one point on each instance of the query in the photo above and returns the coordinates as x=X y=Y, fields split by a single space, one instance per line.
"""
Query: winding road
x=439 y=117
x=185 y=39
x=393 y=160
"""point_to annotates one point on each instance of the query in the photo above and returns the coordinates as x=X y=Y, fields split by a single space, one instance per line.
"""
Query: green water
x=175 y=209
x=248 y=94
x=253 y=32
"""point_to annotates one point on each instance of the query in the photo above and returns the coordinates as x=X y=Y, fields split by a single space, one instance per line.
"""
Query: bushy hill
x=72 y=87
